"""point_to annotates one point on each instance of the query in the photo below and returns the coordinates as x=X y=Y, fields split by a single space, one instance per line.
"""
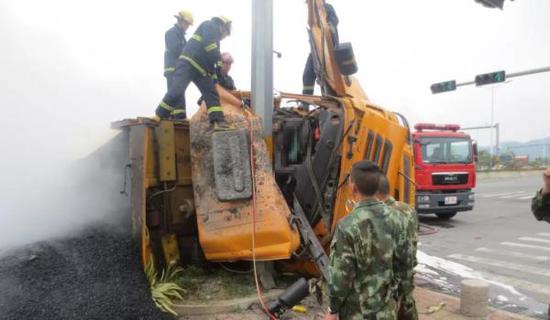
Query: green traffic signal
x=489 y=78
x=443 y=86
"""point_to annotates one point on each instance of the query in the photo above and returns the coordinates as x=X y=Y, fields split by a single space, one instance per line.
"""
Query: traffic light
x=443 y=86
x=492 y=3
x=489 y=78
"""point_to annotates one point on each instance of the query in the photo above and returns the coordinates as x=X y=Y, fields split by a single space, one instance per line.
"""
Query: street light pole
x=492 y=124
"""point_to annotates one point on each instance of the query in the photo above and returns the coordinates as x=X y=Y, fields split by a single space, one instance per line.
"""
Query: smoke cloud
x=53 y=116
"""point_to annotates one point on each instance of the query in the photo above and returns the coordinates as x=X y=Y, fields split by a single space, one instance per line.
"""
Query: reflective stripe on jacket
x=203 y=47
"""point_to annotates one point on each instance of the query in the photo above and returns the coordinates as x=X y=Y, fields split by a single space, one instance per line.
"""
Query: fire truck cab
x=444 y=169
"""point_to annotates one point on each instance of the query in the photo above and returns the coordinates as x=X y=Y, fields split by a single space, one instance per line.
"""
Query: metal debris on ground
x=435 y=308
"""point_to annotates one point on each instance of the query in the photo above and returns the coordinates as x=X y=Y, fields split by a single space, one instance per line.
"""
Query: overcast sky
x=70 y=67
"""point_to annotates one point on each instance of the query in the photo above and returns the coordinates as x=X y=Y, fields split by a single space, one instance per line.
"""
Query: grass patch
x=214 y=284
x=164 y=289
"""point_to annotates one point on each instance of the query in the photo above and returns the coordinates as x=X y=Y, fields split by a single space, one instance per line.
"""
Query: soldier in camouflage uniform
x=405 y=216
x=540 y=205
x=368 y=252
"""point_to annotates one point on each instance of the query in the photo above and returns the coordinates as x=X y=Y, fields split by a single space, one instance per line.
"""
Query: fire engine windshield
x=446 y=150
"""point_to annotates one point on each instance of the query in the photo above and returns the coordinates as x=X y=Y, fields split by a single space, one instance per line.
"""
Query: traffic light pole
x=511 y=75
x=496 y=147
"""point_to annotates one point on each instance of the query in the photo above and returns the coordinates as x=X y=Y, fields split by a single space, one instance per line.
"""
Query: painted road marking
x=491 y=195
x=534 y=239
x=502 y=264
x=539 y=289
x=513 y=254
x=526 y=197
x=521 y=245
x=519 y=196
x=544 y=234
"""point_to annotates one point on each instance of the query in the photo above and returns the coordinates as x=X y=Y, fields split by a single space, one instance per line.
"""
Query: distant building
x=521 y=161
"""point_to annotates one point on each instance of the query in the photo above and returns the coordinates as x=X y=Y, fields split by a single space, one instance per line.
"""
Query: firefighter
x=197 y=64
x=174 y=41
x=308 y=78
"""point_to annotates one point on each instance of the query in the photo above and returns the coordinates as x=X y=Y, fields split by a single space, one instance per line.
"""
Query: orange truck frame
x=176 y=208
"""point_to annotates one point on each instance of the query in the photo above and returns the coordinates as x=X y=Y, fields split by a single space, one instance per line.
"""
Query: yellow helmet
x=225 y=21
x=185 y=15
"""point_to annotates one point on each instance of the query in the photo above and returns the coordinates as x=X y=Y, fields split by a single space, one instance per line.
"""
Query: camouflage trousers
x=386 y=312
x=407 y=309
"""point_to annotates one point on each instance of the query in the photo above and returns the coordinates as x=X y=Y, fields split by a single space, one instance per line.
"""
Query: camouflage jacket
x=540 y=206
x=367 y=250
x=408 y=219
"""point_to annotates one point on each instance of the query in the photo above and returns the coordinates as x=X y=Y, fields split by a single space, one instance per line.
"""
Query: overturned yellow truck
x=199 y=195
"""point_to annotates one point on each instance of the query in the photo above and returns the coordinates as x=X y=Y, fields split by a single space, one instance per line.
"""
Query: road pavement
x=499 y=241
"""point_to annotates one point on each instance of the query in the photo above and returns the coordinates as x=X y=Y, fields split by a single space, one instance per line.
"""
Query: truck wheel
x=446 y=215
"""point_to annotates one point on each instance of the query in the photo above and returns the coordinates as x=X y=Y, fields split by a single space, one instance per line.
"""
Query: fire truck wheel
x=446 y=215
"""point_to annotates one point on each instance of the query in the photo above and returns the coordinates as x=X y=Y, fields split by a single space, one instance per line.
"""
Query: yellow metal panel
x=138 y=150
x=388 y=129
x=166 y=151
x=170 y=249
x=183 y=154
x=150 y=158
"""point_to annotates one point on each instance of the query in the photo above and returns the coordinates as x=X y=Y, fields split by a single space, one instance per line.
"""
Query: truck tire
x=446 y=215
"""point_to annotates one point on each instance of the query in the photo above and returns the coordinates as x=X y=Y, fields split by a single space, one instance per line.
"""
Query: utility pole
x=497 y=142
x=262 y=62
x=492 y=122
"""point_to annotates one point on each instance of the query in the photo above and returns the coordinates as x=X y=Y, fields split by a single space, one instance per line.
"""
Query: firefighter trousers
x=174 y=99
x=169 y=77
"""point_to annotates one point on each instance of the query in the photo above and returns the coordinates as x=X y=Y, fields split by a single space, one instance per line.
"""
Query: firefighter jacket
x=174 y=41
x=203 y=48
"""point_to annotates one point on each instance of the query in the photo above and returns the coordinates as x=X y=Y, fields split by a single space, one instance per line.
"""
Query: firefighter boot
x=215 y=116
x=217 y=120
x=179 y=114
x=163 y=111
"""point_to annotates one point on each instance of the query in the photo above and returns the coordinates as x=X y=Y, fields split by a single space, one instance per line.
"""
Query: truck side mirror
x=474 y=146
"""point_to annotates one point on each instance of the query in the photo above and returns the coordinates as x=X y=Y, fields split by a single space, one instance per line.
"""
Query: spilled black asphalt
x=94 y=275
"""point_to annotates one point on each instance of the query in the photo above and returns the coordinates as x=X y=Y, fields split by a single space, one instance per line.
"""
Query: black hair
x=365 y=175
x=384 y=185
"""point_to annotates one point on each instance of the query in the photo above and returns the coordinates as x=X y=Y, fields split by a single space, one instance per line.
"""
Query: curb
x=223 y=305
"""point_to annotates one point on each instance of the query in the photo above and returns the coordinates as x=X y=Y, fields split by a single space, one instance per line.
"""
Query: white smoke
x=52 y=116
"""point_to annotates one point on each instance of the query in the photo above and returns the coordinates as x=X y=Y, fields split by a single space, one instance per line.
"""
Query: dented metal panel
x=226 y=227
x=231 y=165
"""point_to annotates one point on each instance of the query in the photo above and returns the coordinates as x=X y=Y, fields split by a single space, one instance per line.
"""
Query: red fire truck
x=444 y=169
